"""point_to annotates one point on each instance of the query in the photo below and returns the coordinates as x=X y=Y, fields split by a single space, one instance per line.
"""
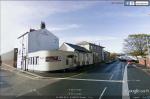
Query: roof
x=78 y=48
x=85 y=42
x=32 y=30
x=23 y=35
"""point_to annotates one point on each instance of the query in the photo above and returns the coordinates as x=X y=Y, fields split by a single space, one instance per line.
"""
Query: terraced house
x=97 y=50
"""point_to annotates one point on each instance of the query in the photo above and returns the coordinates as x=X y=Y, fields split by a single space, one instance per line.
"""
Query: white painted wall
x=42 y=40
x=56 y=65
x=35 y=41
x=65 y=47
x=22 y=49
x=50 y=66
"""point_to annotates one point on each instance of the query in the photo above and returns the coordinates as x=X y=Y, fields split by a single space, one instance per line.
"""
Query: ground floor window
x=33 y=60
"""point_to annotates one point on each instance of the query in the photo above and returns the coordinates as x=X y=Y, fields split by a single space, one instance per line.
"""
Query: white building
x=35 y=40
x=97 y=50
x=84 y=57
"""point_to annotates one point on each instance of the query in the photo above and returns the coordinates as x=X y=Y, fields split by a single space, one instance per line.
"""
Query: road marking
x=64 y=78
x=21 y=71
x=94 y=80
x=100 y=97
x=134 y=80
x=76 y=75
x=32 y=90
x=8 y=65
x=125 y=89
x=35 y=78
x=111 y=76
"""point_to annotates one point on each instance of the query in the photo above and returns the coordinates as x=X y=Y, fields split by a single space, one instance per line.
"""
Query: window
x=36 y=60
x=29 y=59
x=67 y=62
x=33 y=60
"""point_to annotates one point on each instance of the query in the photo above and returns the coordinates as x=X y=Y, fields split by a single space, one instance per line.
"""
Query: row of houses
x=38 y=50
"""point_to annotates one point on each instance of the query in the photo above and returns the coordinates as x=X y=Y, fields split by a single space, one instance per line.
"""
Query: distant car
x=132 y=61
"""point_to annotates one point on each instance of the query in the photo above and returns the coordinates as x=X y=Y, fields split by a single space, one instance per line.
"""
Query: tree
x=136 y=44
x=113 y=56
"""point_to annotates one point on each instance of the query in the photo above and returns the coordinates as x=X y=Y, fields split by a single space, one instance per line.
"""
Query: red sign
x=53 y=58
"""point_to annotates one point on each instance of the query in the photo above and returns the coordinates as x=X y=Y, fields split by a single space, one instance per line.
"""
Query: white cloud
x=18 y=16
x=64 y=27
x=92 y=39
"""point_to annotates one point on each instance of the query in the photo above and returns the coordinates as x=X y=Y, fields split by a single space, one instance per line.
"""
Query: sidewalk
x=15 y=70
x=55 y=74
x=39 y=75
x=144 y=68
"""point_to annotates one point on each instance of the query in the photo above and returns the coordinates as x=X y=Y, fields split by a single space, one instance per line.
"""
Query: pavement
x=117 y=80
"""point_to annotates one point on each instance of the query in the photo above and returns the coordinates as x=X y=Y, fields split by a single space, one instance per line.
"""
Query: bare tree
x=136 y=44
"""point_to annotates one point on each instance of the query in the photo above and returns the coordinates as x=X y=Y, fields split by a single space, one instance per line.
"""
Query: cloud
x=18 y=16
x=92 y=39
x=64 y=27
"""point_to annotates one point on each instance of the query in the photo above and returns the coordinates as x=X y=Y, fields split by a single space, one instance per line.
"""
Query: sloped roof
x=85 y=42
x=78 y=48
x=35 y=31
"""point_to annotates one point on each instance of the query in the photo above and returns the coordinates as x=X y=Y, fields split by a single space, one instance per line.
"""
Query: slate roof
x=85 y=43
x=77 y=48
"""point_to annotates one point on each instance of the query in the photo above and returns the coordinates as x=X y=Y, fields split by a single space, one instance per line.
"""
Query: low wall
x=144 y=61
x=9 y=58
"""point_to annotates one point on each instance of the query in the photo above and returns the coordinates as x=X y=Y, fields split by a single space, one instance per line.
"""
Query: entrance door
x=70 y=62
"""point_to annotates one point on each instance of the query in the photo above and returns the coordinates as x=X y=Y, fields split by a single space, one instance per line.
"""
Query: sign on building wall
x=53 y=58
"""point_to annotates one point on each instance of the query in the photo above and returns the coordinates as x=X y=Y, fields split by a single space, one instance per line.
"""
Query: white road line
x=125 y=89
x=100 y=97
x=111 y=76
x=65 y=78
x=32 y=90
x=21 y=74
x=77 y=74
x=92 y=80
x=134 y=80
x=7 y=65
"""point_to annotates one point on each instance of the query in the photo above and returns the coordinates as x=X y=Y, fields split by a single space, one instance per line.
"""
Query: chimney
x=31 y=30
x=43 y=25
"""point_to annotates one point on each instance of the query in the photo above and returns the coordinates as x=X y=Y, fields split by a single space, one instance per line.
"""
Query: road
x=117 y=80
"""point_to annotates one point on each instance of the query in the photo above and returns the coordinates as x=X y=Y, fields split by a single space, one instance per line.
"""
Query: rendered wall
x=9 y=58
x=59 y=65
x=42 y=40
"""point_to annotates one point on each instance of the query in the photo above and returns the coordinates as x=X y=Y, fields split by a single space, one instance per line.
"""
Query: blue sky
x=94 y=21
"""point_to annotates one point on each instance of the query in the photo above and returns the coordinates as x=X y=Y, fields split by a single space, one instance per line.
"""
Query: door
x=70 y=62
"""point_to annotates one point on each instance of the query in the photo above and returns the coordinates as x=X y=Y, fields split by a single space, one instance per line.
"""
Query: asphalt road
x=110 y=81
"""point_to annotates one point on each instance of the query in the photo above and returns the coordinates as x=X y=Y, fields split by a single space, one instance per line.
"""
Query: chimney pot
x=43 y=26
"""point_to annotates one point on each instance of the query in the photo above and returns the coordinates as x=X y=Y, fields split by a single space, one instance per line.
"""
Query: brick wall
x=142 y=61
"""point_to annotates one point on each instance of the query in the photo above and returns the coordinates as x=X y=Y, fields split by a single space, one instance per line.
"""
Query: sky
x=100 y=22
